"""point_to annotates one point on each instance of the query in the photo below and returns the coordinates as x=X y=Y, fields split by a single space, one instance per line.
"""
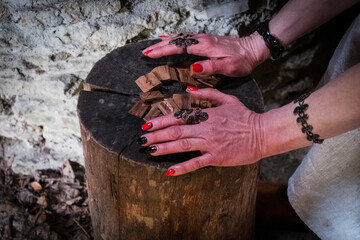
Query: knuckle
x=175 y=132
x=232 y=98
x=185 y=144
x=232 y=68
x=214 y=67
x=216 y=91
x=196 y=164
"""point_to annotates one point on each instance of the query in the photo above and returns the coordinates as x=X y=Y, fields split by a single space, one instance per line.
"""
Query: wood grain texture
x=148 y=82
x=139 y=109
x=183 y=101
x=165 y=73
x=151 y=96
x=130 y=197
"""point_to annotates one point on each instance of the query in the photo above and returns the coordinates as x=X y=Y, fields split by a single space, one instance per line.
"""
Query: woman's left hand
x=234 y=57
x=230 y=137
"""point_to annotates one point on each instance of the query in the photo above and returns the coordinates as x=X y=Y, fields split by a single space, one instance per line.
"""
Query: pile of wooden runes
x=152 y=102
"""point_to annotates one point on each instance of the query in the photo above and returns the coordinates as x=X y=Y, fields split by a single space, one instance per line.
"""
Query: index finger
x=164 y=48
x=162 y=122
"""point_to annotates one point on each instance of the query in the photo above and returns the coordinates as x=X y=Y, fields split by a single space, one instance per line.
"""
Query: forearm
x=299 y=17
x=295 y=19
x=333 y=109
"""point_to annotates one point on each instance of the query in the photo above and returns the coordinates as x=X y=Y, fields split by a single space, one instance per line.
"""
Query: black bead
x=305 y=106
x=316 y=136
x=297 y=110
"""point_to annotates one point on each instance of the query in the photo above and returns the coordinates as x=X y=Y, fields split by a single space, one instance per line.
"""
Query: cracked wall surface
x=47 y=48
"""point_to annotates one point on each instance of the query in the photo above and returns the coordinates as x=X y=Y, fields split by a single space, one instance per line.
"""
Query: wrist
x=258 y=48
x=281 y=132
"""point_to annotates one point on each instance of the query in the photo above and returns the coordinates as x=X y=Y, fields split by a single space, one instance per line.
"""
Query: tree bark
x=130 y=197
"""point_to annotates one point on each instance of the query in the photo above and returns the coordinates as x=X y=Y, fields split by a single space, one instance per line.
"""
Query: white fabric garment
x=325 y=189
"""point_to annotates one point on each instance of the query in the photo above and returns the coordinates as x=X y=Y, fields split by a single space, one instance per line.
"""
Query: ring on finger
x=192 y=116
x=184 y=40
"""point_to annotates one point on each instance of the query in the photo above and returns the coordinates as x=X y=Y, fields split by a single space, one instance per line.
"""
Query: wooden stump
x=130 y=197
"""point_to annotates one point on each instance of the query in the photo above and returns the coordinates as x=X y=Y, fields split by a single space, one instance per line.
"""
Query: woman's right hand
x=234 y=57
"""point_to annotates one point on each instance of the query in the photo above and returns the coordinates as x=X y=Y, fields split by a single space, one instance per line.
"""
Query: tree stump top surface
x=103 y=111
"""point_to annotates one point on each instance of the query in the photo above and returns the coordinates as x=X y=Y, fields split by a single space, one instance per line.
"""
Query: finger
x=164 y=48
x=190 y=165
x=216 y=97
x=164 y=42
x=162 y=122
x=178 y=146
x=226 y=65
x=172 y=133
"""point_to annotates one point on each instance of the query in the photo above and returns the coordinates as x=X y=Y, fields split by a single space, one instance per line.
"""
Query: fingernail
x=197 y=67
x=150 y=149
x=162 y=36
x=192 y=88
x=148 y=51
x=170 y=172
x=141 y=140
x=146 y=126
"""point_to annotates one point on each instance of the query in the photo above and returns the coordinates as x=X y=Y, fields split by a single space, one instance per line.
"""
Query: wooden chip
x=209 y=81
x=148 y=82
x=139 y=109
x=185 y=78
x=165 y=73
x=153 y=113
x=204 y=104
x=151 y=96
x=200 y=103
x=168 y=106
x=42 y=201
x=36 y=186
x=156 y=103
x=183 y=101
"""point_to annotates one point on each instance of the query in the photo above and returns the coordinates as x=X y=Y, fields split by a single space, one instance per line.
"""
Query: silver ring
x=184 y=40
x=192 y=116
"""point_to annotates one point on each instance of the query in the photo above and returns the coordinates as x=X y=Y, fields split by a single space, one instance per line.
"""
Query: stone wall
x=47 y=47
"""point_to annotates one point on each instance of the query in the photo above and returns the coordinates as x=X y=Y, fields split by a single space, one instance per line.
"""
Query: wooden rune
x=148 y=82
x=183 y=101
x=130 y=197
x=149 y=97
x=165 y=73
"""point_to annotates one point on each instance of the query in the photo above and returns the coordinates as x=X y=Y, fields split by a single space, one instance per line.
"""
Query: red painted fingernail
x=197 y=67
x=170 y=172
x=162 y=36
x=146 y=126
x=148 y=51
x=192 y=88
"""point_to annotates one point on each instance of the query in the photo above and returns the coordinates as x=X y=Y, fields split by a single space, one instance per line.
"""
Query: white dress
x=325 y=189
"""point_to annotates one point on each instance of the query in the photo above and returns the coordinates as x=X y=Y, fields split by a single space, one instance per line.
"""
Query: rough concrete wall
x=47 y=47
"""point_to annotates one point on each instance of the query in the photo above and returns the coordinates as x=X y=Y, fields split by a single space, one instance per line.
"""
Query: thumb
x=216 y=97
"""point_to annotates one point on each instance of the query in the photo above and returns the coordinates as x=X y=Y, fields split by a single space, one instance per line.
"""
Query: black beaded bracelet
x=306 y=128
x=274 y=45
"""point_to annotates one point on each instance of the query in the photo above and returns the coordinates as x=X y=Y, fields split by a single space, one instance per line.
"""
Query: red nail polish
x=162 y=36
x=197 y=67
x=170 y=172
x=148 y=51
x=192 y=88
x=146 y=126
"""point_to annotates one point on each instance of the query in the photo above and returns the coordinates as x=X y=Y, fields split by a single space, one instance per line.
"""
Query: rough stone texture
x=47 y=47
